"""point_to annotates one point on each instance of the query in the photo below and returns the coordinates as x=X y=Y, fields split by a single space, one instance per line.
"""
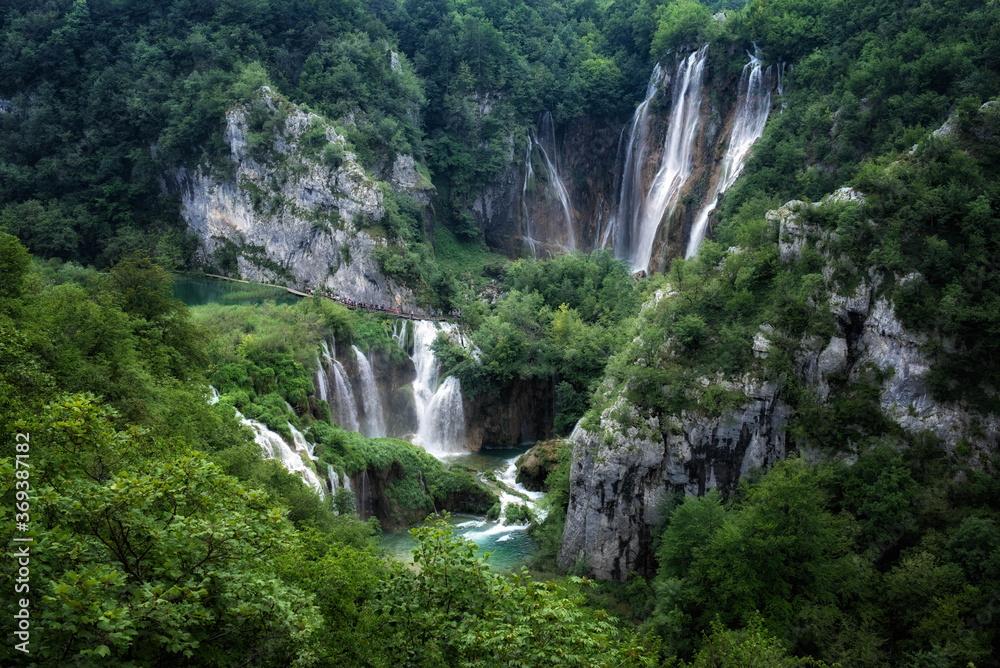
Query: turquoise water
x=201 y=291
x=509 y=546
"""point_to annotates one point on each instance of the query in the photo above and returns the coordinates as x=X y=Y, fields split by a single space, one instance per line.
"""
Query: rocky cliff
x=524 y=208
x=624 y=463
x=291 y=205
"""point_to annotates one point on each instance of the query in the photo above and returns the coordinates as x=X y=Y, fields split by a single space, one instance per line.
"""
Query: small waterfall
x=676 y=161
x=440 y=413
x=321 y=384
x=347 y=409
x=374 y=417
x=273 y=446
x=400 y=335
x=748 y=126
x=301 y=443
x=545 y=141
x=213 y=397
x=332 y=478
x=630 y=194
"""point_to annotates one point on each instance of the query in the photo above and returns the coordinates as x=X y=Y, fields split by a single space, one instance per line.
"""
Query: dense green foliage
x=164 y=537
x=559 y=319
x=883 y=562
x=160 y=535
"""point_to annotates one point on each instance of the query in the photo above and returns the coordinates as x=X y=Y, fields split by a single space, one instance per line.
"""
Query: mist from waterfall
x=440 y=412
x=544 y=139
x=754 y=102
x=374 y=416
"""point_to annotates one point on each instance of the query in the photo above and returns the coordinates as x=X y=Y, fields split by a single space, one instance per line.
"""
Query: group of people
x=353 y=303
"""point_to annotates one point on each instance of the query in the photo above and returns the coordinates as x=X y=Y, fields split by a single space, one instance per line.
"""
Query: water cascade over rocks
x=299 y=439
x=440 y=413
x=631 y=154
x=273 y=446
x=321 y=384
x=545 y=141
x=374 y=416
x=676 y=161
x=347 y=408
x=748 y=126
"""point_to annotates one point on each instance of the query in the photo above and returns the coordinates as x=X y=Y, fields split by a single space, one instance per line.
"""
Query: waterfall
x=301 y=443
x=332 y=477
x=545 y=141
x=748 y=126
x=440 y=413
x=374 y=418
x=676 y=162
x=528 y=234
x=631 y=154
x=399 y=336
x=273 y=446
x=347 y=409
x=324 y=391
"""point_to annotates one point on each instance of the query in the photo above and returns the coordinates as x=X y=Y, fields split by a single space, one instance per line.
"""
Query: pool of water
x=509 y=546
x=198 y=291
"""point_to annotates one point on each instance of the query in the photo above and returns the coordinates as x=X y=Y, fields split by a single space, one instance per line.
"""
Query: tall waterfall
x=748 y=126
x=374 y=417
x=619 y=232
x=347 y=409
x=529 y=232
x=676 y=162
x=440 y=415
x=545 y=141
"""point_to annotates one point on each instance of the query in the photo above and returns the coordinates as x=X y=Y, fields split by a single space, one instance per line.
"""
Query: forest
x=130 y=423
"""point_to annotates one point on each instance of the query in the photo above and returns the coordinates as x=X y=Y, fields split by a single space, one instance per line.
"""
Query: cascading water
x=545 y=141
x=620 y=228
x=374 y=417
x=321 y=384
x=440 y=414
x=528 y=234
x=676 y=161
x=748 y=126
x=333 y=478
x=301 y=443
x=273 y=446
x=347 y=408
x=399 y=333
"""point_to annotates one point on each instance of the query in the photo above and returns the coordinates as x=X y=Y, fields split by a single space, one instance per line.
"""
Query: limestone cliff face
x=285 y=215
x=522 y=413
x=623 y=465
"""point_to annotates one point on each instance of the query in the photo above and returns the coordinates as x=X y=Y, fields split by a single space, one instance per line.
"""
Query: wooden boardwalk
x=353 y=307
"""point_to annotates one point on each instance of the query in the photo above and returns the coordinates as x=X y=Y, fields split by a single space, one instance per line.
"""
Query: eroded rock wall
x=623 y=466
x=285 y=215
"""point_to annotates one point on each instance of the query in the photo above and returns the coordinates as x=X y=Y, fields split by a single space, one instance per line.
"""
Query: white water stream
x=374 y=417
x=748 y=126
x=677 y=159
x=440 y=413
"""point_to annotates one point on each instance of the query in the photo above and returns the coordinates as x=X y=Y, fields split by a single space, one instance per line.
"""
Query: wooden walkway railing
x=353 y=307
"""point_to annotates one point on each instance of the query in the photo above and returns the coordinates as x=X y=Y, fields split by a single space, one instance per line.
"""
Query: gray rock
x=293 y=220
x=621 y=473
